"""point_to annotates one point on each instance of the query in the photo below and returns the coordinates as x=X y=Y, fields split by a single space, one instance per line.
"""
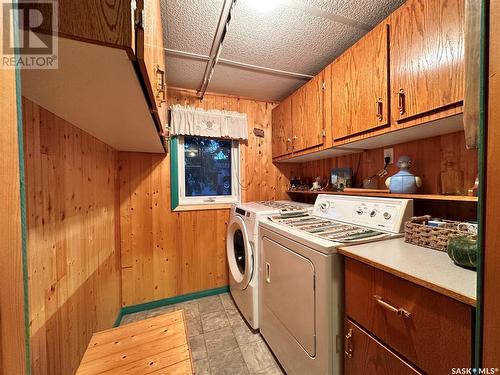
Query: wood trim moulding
x=437 y=197
x=174 y=174
x=203 y=207
x=168 y=301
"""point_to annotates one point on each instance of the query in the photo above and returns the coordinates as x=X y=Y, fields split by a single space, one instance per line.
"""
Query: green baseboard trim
x=118 y=319
x=169 y=301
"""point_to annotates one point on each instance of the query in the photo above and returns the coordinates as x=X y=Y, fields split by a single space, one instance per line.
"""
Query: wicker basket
x=417 y=232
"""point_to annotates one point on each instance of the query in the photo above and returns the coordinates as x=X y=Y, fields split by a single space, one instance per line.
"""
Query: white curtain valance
x=185 y=120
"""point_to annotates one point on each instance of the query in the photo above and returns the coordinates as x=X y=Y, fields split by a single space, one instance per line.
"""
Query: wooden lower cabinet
x=430 y=330
x=364 y=354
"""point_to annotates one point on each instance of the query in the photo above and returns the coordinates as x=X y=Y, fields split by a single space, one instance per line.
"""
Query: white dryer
x=243 y=253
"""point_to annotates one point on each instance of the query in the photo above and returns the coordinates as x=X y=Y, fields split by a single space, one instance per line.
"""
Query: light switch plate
x=389 y=152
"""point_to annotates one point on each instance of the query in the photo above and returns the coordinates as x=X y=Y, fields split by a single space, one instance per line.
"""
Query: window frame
x=183 y=200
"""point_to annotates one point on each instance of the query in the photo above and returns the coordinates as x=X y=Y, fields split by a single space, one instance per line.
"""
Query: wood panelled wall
x=429 y=157
x=73 y=244
x=167 y=253
x=12 y=331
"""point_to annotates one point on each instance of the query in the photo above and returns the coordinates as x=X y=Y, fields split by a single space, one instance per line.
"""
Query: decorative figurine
x=403 y=182
x=294 y=183
x=472 y=192
x=316 y=184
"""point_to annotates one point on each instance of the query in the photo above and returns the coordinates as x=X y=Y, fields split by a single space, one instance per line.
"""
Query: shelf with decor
x=438 y=197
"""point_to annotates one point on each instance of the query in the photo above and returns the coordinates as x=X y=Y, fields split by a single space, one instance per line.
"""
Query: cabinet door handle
x=401 y=102
x=161 y=95
x=268 y=273
x=379 y=109
x=348 y=349
x=288 y=142
x=400 y=311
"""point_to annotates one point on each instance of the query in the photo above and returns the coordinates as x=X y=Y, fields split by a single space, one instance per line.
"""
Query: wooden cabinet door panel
x=282 y=128
x=150 y=55
x=159 y=63
x=427 y=53
x=307 y=115
x=108 y=23
x=363 y=354
x=435 y=337
x=360 y=86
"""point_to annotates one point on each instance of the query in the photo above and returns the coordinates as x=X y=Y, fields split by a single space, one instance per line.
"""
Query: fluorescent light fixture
x=263 y=5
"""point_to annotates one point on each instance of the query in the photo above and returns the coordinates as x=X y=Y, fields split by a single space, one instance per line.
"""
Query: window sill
x=203 y=207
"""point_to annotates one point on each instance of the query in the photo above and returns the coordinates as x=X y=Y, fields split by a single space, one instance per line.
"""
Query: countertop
x=429 y=268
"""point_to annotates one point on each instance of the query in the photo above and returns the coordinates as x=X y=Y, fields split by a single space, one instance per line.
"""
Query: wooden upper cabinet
x=103 y=22
x=307 y=115
x=427 y=52
x=150 y=55
x=360 y=86
x=282 y=128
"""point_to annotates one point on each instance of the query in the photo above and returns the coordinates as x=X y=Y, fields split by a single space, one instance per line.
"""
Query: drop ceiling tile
x=369 y=12
x=190 y=24
x=185 y=73
x=252 y=84
x=285 y=38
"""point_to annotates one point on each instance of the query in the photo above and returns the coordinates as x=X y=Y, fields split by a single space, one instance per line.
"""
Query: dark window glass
x=239 y=250
x=207 y=166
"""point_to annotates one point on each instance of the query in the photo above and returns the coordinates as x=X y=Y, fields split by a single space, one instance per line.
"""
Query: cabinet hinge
x=323 y=133
x=139 y=17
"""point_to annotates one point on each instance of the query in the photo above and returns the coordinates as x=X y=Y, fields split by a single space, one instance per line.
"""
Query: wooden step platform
x=157 y=345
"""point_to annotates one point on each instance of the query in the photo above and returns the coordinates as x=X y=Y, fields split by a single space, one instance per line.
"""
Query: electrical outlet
x=389 y=152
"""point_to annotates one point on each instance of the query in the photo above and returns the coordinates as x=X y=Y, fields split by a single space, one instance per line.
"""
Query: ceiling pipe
x=215 y=50
x=313 y=11
x=237 y=64
x=264 y=69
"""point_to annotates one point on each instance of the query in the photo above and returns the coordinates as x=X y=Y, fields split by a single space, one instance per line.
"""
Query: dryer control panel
x=387 y=214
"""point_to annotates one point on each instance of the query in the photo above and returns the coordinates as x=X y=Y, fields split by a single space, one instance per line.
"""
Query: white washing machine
x=243 y=253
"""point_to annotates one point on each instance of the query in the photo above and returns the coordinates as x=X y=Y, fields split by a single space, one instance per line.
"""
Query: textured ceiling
x=286 y=39
x=300 y=36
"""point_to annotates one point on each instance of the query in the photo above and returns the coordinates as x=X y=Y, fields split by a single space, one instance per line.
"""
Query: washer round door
x=239 y=252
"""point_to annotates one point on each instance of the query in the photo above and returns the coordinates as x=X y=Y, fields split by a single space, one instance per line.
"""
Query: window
x=207 y=171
